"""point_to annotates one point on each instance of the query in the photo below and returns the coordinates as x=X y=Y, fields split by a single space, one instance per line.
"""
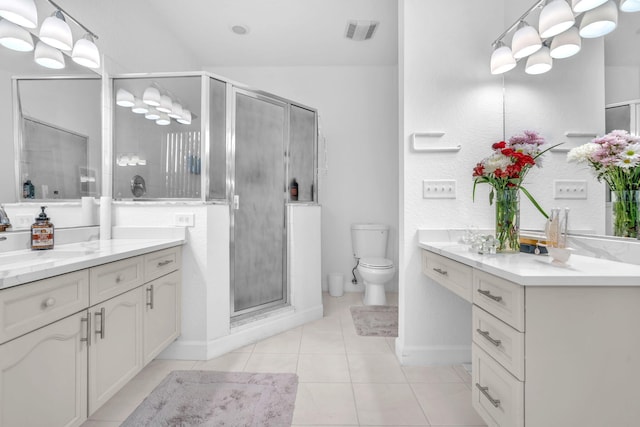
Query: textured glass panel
x=166 y=157
x=218 y=147
x=302 y=165
x=259 y=221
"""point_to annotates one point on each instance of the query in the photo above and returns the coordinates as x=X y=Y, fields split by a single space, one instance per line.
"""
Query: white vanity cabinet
x=64 y=351
x=562 y=351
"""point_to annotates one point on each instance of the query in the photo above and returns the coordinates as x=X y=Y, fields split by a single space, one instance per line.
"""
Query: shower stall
x=201 y=139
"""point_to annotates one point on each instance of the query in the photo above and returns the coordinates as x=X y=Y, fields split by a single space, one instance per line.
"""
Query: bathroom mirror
x=567 y=104
x=20 y=64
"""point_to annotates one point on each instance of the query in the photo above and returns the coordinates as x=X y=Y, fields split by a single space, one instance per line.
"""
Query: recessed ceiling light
x=240 y=29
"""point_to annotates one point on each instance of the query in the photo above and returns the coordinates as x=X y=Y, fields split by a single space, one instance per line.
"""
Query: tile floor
x=344 y=379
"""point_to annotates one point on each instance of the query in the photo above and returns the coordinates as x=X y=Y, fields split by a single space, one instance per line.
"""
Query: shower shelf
x=419 y=148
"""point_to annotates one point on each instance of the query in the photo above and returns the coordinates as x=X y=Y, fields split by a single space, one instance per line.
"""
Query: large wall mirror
x=567 y=105
x=50 y=128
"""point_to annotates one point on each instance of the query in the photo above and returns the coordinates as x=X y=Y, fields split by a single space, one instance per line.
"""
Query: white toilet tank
x=369 y=240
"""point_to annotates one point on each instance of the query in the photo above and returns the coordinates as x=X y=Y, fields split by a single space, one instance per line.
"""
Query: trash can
x=336 y=284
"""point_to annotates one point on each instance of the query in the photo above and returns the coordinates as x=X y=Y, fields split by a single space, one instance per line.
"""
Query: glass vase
x=507 y=203
x=625 y=213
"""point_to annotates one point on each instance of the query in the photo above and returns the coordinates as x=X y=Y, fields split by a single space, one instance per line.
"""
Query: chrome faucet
x=4 y=220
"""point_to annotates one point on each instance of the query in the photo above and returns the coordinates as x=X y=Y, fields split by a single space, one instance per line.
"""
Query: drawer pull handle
x=101 y=314
x=485 y=391
x=166 y=262
x=488 y=337
x=49 y=302
x=488 y=295
x=150 y=297
x=443 y=272
x=87 y=320
x=119 y=278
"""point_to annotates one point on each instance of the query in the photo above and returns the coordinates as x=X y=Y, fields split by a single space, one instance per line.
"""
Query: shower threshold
x=261 y=314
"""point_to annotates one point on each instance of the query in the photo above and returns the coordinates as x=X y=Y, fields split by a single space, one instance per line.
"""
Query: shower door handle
x=236 y=202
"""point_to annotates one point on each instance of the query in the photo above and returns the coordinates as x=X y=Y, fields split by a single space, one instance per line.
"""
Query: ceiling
x=281 y=32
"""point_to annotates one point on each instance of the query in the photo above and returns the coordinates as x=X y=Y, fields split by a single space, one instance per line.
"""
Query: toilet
x=369 y=243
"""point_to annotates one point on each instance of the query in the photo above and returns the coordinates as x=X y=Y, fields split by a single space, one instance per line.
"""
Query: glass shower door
x=258 y=212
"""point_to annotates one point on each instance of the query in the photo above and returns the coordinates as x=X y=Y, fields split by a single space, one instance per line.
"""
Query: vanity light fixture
x=165 y=105
x=15 y=37
x=124 y=98
x=502 y=59
x=539 y=62
x=86 y=53
x=56 y=32
x=139 y=107
x=630 y=5
x=163 y=120
x=555 y=18
x=151 y=96
x=599 y=21
x=566 y=44
x=186 y=117
x=176 y=111
x=152 y=114
x=526 y=41
x=580 y=6
x=20 y=12
x=48 y=56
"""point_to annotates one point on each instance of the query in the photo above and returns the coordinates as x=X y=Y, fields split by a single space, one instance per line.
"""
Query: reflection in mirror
x=59 y=138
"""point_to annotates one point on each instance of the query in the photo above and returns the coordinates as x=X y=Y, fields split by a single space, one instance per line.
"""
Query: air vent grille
x=361 y=30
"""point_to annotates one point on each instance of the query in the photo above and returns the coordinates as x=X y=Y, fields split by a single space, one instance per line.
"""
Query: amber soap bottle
x=42 y=232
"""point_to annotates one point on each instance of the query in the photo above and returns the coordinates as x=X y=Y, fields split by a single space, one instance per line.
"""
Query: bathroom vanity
x=553 y=345
x=80 y=321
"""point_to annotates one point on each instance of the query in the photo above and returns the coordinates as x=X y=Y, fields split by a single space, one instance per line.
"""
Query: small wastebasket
x=336 y=284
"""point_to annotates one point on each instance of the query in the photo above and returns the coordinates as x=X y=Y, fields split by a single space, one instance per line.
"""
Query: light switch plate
x=185 y=219
x=439 y=188
x=569 y=189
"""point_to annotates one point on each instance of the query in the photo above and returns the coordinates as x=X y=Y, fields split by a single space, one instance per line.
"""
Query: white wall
x=358 y=177
x=622 y=84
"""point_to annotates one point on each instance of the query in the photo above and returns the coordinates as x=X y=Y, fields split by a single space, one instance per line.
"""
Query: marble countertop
x=539 y=270
x=23 y=266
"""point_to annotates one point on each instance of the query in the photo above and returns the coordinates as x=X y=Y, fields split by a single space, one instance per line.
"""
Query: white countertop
x=538 y=270
x=22 y=266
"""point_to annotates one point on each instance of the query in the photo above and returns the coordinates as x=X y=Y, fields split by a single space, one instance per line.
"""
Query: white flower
x=628 y=162
x=582 y=153
x=496 y=161
x=632 y=152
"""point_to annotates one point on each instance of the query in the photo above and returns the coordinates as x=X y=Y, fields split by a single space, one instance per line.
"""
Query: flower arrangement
x=505 y=170
x=615 y=159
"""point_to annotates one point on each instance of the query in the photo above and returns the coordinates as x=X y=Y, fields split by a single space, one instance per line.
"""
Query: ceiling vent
x=361 y=30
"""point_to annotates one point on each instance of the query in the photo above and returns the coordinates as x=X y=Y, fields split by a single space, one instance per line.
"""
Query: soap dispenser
x=42 y=232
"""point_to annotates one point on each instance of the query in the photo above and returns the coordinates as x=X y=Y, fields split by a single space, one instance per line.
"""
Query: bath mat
x=375 y=320
x=211 y=398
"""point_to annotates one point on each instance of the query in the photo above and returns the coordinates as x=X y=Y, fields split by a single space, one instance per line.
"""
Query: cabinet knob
x=49 y=302
x=119 y=278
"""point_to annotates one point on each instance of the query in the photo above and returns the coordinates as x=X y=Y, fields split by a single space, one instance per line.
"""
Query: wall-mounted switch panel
x=439 y=189
x=569 y=189
x=185 y=219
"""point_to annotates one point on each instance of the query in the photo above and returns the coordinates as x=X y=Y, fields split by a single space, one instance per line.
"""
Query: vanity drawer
x=157 y=264
x=496 y=395
x=502 y=298
x=28 y=307
x=499 y=340
x=115 y=278
x=451 y=274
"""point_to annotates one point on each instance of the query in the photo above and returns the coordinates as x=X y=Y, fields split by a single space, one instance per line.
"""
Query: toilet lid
x=380 y=263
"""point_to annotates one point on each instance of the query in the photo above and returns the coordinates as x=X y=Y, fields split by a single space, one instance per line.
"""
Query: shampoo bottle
x=42 y=232
x=293 y=189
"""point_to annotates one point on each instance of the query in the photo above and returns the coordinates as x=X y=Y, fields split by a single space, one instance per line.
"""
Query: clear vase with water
x=507 y=201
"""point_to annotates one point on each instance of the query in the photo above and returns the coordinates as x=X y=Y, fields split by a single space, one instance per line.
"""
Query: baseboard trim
x=432 y=355
x=243 y=335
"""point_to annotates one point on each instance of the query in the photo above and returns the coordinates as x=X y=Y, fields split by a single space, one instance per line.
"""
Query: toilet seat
x=376 y=263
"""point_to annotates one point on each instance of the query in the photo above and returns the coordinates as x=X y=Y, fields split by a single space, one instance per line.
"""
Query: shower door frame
x=231 y=189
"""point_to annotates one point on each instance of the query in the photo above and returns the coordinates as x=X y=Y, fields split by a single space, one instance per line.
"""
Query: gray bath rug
x=211 y=398
x=375 y=320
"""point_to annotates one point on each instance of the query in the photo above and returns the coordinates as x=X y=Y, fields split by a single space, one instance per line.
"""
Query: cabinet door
x=162 y=314
x=43 y=376
x=115 y=353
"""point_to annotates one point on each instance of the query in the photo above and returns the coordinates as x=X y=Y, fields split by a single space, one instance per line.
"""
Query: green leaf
x=491 y=196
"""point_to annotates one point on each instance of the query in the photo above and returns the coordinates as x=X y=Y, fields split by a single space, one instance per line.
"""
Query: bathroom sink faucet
x=4 y=220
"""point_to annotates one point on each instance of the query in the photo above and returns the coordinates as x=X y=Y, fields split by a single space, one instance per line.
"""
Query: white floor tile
x=447 y=404
x=268 y=362
x=318 y=404
x=323 y=368
x=356 y=344
x=230 y=362
x=431 y=374
x=388 y=405
x=285 y=342
x=375 y=368
x=324 y=342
